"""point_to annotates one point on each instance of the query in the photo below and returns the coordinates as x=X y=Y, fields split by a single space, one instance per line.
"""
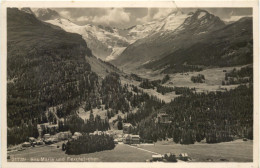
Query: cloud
x=113 y=16
x=150 y=13
x=84 y=19
x=155 y=13
x=65 y=14
x=163 y=12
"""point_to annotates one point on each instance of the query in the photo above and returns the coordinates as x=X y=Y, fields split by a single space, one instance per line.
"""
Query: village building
x=46 y=136
x=183 y=156
x=127 y=139
x=135 y=139
x=64 y=135
x=157 y=157
x=98 y=133
x=163 y=118
x=47 y=128
x=76 y=135
x=131 y=139
x=127 y=128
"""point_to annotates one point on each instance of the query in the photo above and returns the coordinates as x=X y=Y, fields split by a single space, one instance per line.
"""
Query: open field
x=236 y=151
x=121 y=153
x=213 y=81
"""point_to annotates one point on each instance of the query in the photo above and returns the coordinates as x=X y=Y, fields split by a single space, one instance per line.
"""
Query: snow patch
x=202 y=32
x=115 y=53
x=201 y=15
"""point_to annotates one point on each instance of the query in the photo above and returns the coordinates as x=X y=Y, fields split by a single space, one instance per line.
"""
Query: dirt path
x=144 y=150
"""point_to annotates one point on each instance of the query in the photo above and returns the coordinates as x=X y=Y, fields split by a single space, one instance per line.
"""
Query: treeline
x=180 y=68
x=244 y=75
x=136 y=77
x=164 y=89
x=109 y=64
x=74 y=123
x=19 y=134
x=165 y=79
x=216 y=117
x=147 y=84
x=89 y=144
x=178 y=90
x=144 y=111
x=200 y=78
x=156 y=84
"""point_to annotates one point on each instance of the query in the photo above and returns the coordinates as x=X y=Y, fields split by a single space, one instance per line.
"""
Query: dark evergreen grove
x=76 y=124
x=218 y=117
x=89 y=144
x=243 y=75
x=200 y=78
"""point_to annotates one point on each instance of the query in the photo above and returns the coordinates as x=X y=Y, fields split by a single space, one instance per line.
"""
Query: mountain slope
x=161 y=43
x=229 y=46
x=45 y=67
x=103 y=41
x=100 y=41
x=171 y=22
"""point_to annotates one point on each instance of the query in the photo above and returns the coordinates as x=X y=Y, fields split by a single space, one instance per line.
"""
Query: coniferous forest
x=218 y=117
x=89 y=144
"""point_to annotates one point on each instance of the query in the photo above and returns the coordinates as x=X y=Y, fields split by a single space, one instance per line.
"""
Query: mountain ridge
x=160 y=44
x=227 y=46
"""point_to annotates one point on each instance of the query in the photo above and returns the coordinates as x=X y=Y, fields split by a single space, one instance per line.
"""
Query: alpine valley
x=193 y=68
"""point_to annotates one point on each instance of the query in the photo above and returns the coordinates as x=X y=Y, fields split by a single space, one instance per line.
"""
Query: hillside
x=46 y=67
x=229 y=46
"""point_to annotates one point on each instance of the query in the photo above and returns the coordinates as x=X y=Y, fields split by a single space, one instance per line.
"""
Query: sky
x=127 y=17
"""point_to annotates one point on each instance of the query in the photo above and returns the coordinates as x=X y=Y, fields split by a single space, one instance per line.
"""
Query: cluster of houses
x=127 y=137
x=170 y=157
x=47 y=127
x=49 y=133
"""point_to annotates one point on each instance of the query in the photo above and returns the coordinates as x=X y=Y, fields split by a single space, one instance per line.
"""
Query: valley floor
x=213 y=82
x=236 y=151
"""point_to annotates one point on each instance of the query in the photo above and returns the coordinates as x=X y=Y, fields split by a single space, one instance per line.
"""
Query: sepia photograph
x=130 y=84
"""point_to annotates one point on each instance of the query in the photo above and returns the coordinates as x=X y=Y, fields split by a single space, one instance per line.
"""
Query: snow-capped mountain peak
x=103 y=41
x=171 y=22
x=200 y=21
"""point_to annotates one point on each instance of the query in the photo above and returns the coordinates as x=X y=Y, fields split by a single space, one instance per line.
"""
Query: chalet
x=127 y=139
x=32 y=139
x=46 y=136
x=131 y=139
x=64 y=135
x=127 y=128
x=26 y=144
x=135 y=139
x=184 y=156
x=157 y=157
x=76 y=135
x=163 y=118
x=39 y=142
x=98 y=133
